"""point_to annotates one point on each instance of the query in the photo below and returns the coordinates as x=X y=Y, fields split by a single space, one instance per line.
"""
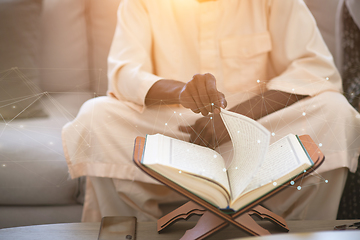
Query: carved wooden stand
x=212 y=219
x=209 y=223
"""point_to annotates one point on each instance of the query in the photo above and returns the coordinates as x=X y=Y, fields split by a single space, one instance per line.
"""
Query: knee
x=96 y=110
x=333 y=103
x=91 y=107
x=106 y=113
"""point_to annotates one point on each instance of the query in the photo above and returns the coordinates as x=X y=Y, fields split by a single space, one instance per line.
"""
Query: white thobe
x=248 y=45
x=238 y=41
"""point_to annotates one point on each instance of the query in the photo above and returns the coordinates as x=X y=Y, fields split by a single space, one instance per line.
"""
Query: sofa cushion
x=19 y=35
x=101 y=19
x=33 y=169
x=64 y=50
x=324 y=12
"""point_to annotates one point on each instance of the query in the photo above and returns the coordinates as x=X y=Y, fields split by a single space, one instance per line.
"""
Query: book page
x=187 y=157
x=283 y=157
x=250 y=143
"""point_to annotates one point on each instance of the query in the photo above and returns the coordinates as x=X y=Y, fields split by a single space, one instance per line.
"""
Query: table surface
x=147 y=230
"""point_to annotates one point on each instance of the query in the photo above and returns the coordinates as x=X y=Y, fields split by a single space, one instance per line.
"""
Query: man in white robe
x=267 y=60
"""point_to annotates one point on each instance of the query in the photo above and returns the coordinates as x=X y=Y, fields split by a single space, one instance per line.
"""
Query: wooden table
x=147 y=231
x=327 y=235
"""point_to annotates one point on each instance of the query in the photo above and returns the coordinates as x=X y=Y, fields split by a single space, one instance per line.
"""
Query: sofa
x=52 y=59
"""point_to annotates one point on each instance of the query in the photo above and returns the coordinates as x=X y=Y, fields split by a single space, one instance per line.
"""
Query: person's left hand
x=208 y=131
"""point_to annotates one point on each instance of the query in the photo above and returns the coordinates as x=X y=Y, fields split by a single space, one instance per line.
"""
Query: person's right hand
x=201 y=95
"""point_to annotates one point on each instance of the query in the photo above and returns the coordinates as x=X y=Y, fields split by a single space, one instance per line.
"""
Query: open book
x=256 y=168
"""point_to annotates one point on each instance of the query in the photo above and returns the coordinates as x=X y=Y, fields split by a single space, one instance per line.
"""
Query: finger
x=206 y=128
x=204 y=98
x=207 y=140
x=203 y=130
x=195 y=86
x=187 y=100
x=196 y=108
x=190 y=130
x=186 y=129
x=196 y=104
x=223 y=102
x=212 y=92
x=195 y=136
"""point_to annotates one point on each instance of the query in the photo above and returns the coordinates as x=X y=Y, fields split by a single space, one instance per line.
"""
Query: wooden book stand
x=212 y=219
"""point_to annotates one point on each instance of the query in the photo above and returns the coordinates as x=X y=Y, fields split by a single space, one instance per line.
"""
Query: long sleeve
x=301 y=61
x=129 y=63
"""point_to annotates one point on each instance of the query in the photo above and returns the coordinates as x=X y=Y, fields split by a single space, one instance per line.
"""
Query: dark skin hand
x=200 y=92
x=210 y=131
